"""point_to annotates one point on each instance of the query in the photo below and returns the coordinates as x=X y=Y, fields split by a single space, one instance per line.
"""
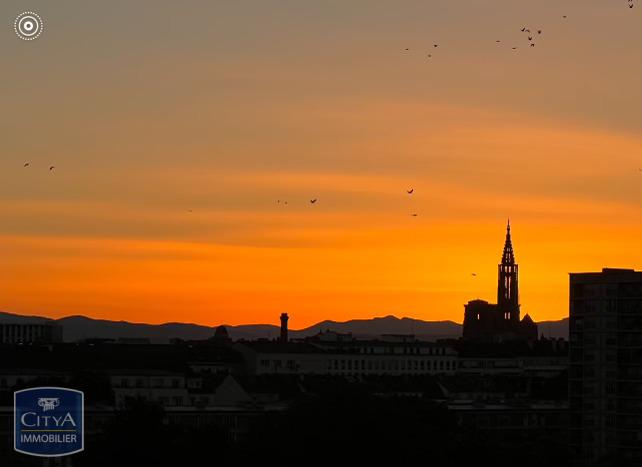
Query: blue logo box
x=49 y=421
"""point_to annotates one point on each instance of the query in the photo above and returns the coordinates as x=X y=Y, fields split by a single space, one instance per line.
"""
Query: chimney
x=284 y=328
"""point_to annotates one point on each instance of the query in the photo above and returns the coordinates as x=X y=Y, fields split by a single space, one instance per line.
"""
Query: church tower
x=490 y=322
x=507 y=289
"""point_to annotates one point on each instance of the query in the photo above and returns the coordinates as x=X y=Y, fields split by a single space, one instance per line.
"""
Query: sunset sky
x=152 y=109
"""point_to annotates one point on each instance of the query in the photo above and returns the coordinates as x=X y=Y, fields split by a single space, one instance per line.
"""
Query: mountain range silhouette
x=79 y=327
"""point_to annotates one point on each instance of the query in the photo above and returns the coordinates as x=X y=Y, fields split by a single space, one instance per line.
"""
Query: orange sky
x=151 y=116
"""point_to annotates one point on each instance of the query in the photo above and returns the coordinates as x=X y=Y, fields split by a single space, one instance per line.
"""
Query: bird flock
x=531 y=34
x=313 y=201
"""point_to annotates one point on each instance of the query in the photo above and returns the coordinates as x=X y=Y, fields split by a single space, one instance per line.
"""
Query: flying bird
x=51 y=168
x=435 y=45
x=532 y=45
x=523 y=29
x=539 y=31
x=411 y=191
x=27 y=164
x=312 y=201
x=564 y=16
x=429 y=56
x=514 y=48
x=497 y=41
x=414 y=215
x=474 y=274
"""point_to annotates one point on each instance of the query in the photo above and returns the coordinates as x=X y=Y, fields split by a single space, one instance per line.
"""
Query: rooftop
x=607 y=275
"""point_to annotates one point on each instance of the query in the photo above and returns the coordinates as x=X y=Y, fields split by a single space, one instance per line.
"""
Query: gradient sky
x=150 y=109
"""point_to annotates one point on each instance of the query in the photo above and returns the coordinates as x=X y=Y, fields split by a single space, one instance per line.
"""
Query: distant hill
x=389 y=325
x=554 y=328
x=81 y=327
x=13 y=318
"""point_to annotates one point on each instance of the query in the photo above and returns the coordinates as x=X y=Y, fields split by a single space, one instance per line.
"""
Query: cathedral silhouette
x=501 y=321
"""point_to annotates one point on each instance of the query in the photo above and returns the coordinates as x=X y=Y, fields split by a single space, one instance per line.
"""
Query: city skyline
x=167 y=201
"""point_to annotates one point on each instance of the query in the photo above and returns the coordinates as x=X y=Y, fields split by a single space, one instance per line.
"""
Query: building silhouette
x=221 y=336
x=605 y=374
x=501 y=321
x=177 y=400
x=29 y=332
x=332 y=354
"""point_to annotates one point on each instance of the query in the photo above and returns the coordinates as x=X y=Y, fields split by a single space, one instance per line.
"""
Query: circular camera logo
x=28 y=25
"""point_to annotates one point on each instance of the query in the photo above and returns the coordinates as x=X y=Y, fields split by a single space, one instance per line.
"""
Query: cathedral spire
x=507 y=287
x=508 y=257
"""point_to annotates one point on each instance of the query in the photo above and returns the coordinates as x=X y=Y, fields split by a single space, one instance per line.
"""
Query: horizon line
x=167 y=323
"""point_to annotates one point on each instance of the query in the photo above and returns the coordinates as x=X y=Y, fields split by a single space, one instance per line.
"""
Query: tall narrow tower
x=507 y=289
x=284 y=328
